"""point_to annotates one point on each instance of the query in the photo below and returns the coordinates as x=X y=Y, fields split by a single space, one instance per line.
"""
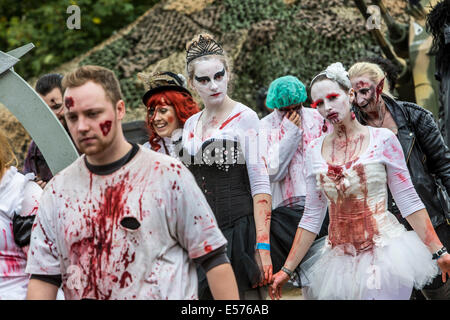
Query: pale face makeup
x=367 y=93
x=330 y=100
x=211 y=81
x=163 y=119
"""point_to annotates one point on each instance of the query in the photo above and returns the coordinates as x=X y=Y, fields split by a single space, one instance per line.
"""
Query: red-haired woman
x=169 y=104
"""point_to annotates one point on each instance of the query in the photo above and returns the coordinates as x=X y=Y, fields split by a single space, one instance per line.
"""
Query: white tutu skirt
x=388 y=271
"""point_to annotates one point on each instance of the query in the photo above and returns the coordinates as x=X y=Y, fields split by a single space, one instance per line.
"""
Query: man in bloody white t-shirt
x=121 y=222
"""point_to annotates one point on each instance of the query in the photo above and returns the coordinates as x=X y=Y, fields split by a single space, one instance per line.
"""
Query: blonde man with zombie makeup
x=426 y=154
x=290 y=127
x=367 y=254
x=122 y=221
x=223 y=153
x=169 y=104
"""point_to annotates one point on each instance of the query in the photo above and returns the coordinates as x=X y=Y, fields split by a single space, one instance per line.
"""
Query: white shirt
x=241 y=125
x=78 y=231
x=287 y=146
x=20 y=195
x=171 y=144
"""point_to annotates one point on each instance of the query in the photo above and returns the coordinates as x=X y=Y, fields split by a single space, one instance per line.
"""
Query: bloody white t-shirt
x=78 y=231
x=287 y=146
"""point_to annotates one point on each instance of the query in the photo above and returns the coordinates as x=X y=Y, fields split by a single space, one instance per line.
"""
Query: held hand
x=444 y=263
x=279 y=280
x=295 y=118
x=267 y=268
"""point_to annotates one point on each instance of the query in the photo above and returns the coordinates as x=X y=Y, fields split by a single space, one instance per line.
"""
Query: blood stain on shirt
x=97 y=247
x=229 y=120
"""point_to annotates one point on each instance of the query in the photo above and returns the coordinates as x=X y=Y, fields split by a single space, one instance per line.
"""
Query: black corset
x=221 y=173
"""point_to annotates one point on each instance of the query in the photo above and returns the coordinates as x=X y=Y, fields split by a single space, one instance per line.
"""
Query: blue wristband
x=263 y=246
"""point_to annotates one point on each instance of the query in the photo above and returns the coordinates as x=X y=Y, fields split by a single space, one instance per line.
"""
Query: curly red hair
x=184 y=106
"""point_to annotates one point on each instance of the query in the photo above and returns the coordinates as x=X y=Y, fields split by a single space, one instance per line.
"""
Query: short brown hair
x=100 y=75
x=7 y=157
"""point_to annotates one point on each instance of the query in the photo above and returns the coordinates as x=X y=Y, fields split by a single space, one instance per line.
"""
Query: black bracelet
x=439 y=253
x=290 y=273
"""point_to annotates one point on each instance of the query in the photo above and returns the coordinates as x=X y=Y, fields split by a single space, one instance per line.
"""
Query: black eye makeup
x=202 y=79
x=219 y=74
x=56 y=106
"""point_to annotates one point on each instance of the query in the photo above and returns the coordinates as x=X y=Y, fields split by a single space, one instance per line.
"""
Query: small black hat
x=161 y=81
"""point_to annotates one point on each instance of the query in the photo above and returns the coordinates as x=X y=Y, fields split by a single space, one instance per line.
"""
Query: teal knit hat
x=285 y=91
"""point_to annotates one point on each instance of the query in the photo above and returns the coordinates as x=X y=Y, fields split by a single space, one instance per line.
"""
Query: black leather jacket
x=426 y=154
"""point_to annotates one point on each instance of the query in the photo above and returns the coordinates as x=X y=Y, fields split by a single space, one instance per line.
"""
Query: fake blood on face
x=68 y=101
x=106 y=127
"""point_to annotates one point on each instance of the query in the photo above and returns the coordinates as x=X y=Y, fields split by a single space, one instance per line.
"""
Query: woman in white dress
x=19 y=197
x=367 y=254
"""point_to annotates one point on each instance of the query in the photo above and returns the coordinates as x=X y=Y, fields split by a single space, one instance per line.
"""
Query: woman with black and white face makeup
x=367 y=254
x=222 y=140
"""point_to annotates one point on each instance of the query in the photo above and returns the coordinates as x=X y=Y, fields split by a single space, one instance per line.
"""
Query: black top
x=221 y=173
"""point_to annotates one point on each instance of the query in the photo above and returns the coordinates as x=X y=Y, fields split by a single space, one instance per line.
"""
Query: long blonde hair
x=371 y=71
x=7 y=157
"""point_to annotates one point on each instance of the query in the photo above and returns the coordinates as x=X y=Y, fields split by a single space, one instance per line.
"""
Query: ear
x=120 y=109
x=380 y=86
x=352 y=95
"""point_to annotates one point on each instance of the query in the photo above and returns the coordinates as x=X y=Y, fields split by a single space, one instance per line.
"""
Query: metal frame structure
x=34 y=114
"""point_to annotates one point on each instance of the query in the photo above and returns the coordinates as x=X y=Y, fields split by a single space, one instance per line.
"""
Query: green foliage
x=302 y=44
x=44 y=24
x=242 y=14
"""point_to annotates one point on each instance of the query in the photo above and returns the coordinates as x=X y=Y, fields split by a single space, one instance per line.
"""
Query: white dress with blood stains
x=368 y=254
x=18 y=194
